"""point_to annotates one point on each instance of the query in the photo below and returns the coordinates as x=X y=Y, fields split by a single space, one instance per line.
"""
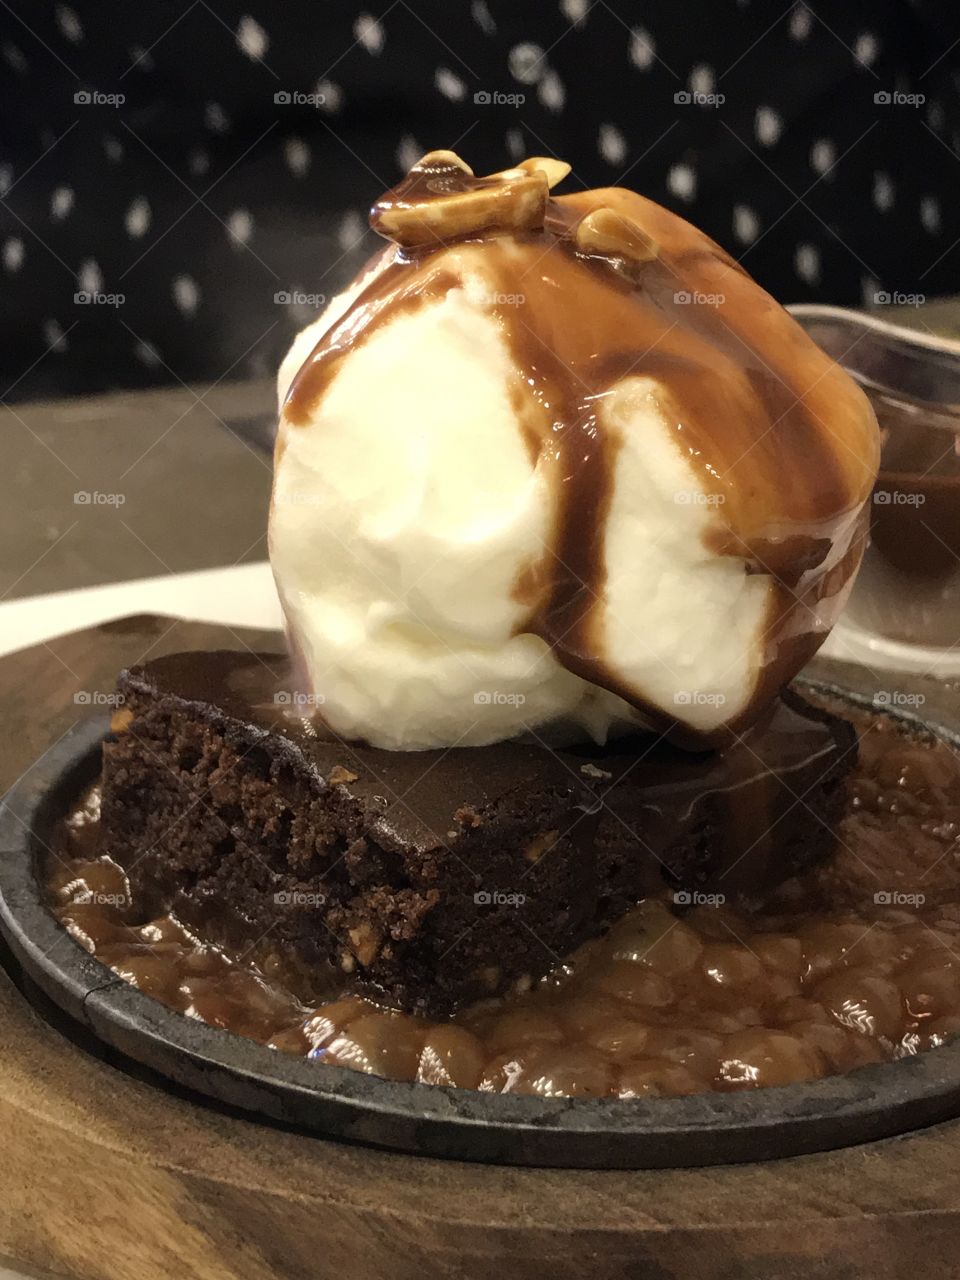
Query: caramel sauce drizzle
x=604 y=286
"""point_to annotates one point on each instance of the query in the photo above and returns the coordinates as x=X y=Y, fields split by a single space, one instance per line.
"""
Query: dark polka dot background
x=184 y=183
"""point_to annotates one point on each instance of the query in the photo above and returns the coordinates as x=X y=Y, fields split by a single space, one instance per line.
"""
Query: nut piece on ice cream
x=556 y=464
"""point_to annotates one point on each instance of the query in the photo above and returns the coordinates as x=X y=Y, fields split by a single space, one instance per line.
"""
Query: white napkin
x=239 y=596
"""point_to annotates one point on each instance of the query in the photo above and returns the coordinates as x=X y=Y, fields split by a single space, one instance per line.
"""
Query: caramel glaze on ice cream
x=599 y=286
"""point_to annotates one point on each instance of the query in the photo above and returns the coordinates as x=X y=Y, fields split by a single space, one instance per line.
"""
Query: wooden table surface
x=185 y=488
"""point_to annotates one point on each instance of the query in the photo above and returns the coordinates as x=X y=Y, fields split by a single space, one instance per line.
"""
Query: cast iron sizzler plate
x=870 y=1103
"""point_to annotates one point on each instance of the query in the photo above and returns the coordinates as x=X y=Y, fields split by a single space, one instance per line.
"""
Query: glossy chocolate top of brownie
x=421 y=796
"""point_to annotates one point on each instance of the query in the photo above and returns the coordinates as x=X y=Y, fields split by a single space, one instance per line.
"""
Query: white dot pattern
x=930 y=214
x=186 y=192
x=368 y=32
x=53 y=335
x=330 y=96
x=643 y=50
x=883 y=192
x=138 y=217
x=14 y=57
x=575 y=11
x=147 y=353
x=450 y=84
x=351 y=231
x=801 y=22
x=186 y=294
x=240 y=225
x=612 y=144
x=806 y=262
x=527 y=63
x=68 y=23
x=551 y=93
x=823 y=156
x=746 y=224
x=409 y=151
x=482 y=16
x=90 y=277
x=297 y=155
x=866 y=48
x=702 y=79
x=13 y=254
x=682 y=181
x=141 y=58
x=61 y=203
x=767 y=126
x=251 y=38
x=216 y=118
x=936 y=116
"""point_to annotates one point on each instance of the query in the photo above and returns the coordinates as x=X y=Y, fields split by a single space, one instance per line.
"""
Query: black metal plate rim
x=864 y=1105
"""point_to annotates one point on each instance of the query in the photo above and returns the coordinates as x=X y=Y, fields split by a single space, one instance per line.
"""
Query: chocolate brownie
x=434 y=878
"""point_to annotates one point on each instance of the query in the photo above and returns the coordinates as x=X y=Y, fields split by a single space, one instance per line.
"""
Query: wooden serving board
x=108 y=1176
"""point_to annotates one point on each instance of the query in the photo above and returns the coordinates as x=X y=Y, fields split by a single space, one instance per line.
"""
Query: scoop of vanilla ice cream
x=502 y=461
x=402 y=516
x=406 y=510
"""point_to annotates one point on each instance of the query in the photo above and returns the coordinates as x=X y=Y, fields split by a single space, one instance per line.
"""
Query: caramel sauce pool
x=858 y=963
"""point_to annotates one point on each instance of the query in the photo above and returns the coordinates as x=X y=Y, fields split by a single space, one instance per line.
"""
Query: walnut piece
x=606 y=233
x=121 y=720
x=539 y=845
x=339 y=774
x=365 y=941
x=441 y=199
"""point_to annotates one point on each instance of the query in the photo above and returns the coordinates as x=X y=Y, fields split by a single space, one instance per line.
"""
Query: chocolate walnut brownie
x=434 y=878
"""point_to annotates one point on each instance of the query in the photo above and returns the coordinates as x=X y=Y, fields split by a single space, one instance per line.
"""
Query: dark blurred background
x=183 y=182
